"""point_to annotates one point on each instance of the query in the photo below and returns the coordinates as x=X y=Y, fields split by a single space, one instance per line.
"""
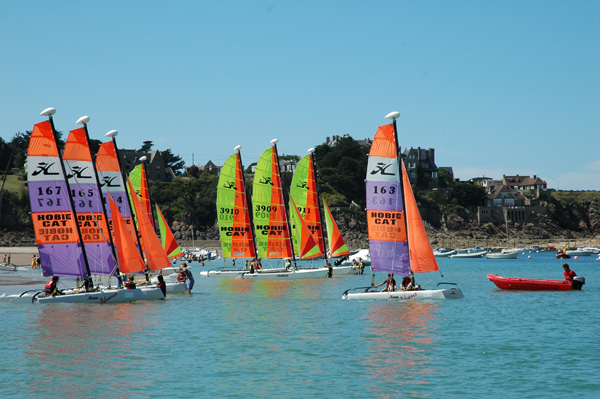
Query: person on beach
x=33 y=262
x=4 y=260
x=390 y=284
x=39 y=262
x=190 y=278
x=51 y=288
x=569 y=274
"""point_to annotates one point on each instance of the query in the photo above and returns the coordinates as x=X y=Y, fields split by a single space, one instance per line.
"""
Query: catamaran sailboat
x=397 y=236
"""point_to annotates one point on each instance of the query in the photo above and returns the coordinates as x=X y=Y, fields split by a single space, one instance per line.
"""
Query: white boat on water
x=443 y=252
x=74 y=296
x=580 y=252
x=395 y=224
x=345 y=270
x=595 y=250
x=8 y=268
x=504 y=254
x=364 y=254
x=469 y=253
x=370 y=293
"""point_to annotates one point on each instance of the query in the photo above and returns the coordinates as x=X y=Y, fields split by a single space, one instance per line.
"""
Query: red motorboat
x=532 y=284
x=563 y=255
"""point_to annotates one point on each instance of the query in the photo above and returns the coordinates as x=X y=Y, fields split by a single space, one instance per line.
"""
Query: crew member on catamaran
x=130 y=284
x=51 y=287
x=390 y=284
x=569 y=274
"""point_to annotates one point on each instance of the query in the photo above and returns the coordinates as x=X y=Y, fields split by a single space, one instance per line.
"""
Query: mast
x=393 y=116
x=248 y=200
x=49 y=112
x=287 y=213
x=314 y=166
x=112 y=135
x=83 y=121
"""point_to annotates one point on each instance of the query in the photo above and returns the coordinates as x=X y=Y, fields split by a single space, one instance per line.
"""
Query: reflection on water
x=89 y=348
x=400 y=339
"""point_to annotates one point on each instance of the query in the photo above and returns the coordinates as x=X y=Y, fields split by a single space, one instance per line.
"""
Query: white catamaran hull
x=8 y=268
x=106 y=296
x=502 y=255
x=222 y=273
x=448 y=293
x=284 y=275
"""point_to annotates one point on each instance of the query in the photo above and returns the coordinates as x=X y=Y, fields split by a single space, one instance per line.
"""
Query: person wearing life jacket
x=51 y=288
x=161 y=284
x=130 y=284
x=390 y=284
x=569 y=274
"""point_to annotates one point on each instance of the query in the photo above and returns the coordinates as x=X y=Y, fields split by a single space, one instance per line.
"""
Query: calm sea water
x=240 y=339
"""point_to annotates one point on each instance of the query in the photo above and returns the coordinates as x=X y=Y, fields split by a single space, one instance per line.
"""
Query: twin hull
x=449 y=293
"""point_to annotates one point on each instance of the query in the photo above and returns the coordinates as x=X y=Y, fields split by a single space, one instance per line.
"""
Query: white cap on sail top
x=112 y=133
x=237 y=148
x=310 y=150
x=83 y=120
x=48 y=112
x=393 y=115
x=143 y=158
x=274 y=141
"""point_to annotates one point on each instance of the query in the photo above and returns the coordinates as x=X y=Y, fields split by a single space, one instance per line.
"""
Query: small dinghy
x=532 y=284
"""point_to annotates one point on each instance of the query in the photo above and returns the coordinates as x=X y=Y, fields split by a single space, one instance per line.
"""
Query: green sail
x=270 y=219
x=303 y=192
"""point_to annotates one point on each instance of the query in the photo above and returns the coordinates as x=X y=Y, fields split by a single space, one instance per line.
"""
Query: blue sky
x=496 y=87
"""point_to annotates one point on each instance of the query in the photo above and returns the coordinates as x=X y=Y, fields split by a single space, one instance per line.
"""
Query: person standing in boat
x=361 y=266
x=329 y=270
x=288 y=264
x=569 y=274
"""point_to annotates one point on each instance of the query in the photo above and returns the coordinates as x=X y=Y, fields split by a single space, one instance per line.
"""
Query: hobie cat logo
x=229 y=184
x=303 y=184
x=381 y=167
x=77 y=171
x=266 y=180
x=107 y=182
x=44 y=167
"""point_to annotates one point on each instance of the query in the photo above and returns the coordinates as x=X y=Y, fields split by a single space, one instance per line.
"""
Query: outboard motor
x=578 y=282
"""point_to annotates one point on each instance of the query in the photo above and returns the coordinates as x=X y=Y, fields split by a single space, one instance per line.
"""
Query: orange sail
x=421 y=254
x=308 y=247
x=168 y=240
x=155 y=254
x=337 y=245
x=130 y=260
